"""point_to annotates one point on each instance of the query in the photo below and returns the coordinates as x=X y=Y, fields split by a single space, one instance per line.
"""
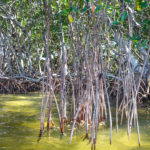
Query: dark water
x=20 y=121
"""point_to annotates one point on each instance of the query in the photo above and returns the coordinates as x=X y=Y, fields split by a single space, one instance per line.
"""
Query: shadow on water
x=20 y=122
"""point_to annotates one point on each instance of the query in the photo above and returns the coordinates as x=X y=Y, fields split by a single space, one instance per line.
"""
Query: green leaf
x=144 y=4
x=129 y=37
x=124 y=16
x=64 y=11
x=87 y=1
x=137 y=45
x=144 y=44
x=115 y=22
x=127 y=1
x=146 y=21
x=75 y=9
x=134 y=38
x=44 y=55
x=138 y=38
x=144 y=29
x=97 y=8
x=84 y=9
x=70 y=10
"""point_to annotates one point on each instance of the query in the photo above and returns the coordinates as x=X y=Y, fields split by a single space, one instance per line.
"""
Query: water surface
x=20 y=121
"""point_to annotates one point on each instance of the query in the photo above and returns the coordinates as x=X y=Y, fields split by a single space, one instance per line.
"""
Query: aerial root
x=48 y=125
x=86 y=136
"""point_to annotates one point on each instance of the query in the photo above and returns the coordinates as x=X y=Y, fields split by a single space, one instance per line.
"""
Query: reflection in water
x=20 y=122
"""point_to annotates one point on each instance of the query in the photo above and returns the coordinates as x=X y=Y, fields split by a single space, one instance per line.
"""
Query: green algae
x=20 y=122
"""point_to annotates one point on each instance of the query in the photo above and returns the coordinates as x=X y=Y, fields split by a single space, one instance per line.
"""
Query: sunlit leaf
x=138 y=8
x=70 y=18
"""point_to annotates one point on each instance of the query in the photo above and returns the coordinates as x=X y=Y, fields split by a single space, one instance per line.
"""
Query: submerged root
x=63 y=121
x=48 y=125
x=93 y=146
x=86 y=137
x=40 y=135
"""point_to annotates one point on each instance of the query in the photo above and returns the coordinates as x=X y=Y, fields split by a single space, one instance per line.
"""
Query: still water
x=20 y=121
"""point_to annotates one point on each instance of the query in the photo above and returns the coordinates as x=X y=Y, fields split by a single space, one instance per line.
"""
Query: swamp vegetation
x=90 y=60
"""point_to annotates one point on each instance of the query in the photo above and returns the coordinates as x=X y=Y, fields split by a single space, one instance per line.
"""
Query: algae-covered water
x=20 y=122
